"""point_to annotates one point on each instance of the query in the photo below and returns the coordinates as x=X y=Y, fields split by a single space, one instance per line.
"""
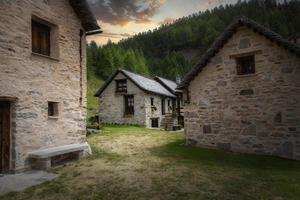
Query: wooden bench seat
x=50 y=157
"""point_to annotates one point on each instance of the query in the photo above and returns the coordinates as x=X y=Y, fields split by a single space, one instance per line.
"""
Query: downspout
x=80 y=67
x=98 y=31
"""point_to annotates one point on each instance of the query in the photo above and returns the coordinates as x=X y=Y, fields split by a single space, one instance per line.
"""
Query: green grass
x=130 y=162
x=94 y=84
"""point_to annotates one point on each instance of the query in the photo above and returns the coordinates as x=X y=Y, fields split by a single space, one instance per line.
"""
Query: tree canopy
x=172 y=49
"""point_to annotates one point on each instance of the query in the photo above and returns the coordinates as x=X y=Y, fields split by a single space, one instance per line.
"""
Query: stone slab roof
x=227 y=34
x=170 y=85
x=85 y=14
x=142 y=82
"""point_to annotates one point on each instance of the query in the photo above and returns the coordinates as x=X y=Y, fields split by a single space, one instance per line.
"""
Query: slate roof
x=144 y=83
x=170 y=85
x=85 y=14
x=227 y=34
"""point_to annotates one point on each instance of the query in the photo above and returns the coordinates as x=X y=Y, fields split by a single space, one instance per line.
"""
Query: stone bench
x=55 y=156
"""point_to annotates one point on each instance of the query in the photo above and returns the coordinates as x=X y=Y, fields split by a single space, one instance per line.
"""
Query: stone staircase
x=167 y=122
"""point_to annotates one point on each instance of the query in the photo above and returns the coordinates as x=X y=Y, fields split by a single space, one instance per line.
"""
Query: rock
x=224 y=146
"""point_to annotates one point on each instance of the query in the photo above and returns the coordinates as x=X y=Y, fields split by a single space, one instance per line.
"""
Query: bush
x=94 y=126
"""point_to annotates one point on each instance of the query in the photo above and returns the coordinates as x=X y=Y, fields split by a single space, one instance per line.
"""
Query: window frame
x=40 y=32
x=151 y=101
x=128 y=105
x=53 y=109
x=121 y=89
x=241 y=65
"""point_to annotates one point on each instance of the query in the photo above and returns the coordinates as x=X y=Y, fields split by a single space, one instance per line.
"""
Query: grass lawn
x=137 y=163
x=93 y=85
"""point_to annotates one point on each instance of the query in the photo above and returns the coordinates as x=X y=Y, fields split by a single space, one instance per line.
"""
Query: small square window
x=121 y=86
x=207 y=129
x=40 y=38
x=52 y=109
x=245 y=65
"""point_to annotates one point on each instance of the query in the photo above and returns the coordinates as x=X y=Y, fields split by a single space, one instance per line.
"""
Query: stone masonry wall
x=35 y=80
x=152 y=113
x=112 y=104
x=257 y=113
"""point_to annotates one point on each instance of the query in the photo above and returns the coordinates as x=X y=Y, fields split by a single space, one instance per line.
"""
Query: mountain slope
x=173 y=49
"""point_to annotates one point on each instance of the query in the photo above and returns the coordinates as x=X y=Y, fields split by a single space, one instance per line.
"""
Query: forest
x=173 y=49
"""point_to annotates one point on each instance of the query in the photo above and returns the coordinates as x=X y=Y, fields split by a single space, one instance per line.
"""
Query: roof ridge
x=121 y=69
x=164 y=78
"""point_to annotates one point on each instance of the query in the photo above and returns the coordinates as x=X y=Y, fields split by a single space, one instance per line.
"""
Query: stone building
x=244 y=94
x=129 y=98
x=43 y=82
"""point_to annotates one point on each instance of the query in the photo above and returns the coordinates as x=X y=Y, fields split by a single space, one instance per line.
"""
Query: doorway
x=4 y=136
x=163 y=106
x=154 y=123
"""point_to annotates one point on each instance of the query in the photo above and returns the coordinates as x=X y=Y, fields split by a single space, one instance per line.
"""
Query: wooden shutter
x=245 y=65
x=40 y=38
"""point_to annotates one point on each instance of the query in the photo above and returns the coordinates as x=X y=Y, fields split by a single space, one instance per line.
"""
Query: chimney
x=295 y=39
x=178 y=79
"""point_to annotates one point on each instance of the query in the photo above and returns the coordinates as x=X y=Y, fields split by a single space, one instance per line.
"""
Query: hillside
x=173 y=49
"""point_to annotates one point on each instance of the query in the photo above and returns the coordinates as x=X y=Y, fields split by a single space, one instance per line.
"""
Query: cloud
x=115 y=35
x=210 y=2
x=121 y=12
x=168 y=20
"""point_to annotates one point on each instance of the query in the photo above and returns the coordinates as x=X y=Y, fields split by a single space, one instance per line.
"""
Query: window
x=129 y=105
x=52 y=109
x=40 y=38
x=247 y=92
x=121 y=86
x=152 y=101
x=207 y=129
x=245 y=65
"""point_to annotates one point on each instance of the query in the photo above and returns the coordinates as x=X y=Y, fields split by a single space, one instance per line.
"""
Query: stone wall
x=155 y=113
x=112 y=105
x=35 y=80
x=257 y=113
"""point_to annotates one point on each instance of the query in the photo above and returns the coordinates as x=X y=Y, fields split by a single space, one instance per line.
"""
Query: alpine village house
x=43 y=82
x=129 y=98
x=244 y=94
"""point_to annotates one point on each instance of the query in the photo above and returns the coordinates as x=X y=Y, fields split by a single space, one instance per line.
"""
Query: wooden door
x=129 y=105
x=4 y=136
x=154 y=122
x=163 y=106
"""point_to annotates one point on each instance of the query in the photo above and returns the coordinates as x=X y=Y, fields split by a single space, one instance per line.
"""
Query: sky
x=120 y=19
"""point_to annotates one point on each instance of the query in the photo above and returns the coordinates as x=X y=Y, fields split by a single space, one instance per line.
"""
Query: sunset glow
x=123 y=19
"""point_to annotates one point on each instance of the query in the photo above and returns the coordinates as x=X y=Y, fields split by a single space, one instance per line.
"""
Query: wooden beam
x=8 y=98
x=245 y=54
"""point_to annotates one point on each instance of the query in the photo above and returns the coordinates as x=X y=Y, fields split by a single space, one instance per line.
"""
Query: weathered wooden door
x=129 y=104
x=163 y=106
x=4 y=136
